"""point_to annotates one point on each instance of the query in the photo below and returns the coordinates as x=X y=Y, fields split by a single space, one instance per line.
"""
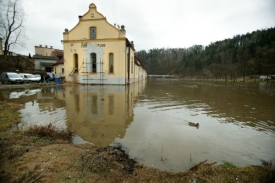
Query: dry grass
x=49 y=132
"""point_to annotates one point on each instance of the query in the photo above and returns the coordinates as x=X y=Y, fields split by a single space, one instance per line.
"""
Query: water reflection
x=96 y=114
x=236 y=124
x=151 y=119
x=41 y=107
x=99 y=114
x=231 y=102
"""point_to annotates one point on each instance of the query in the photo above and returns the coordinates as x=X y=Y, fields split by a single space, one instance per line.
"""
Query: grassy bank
x=42 y=154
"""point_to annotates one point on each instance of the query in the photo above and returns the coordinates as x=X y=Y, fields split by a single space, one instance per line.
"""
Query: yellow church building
x=96 y=52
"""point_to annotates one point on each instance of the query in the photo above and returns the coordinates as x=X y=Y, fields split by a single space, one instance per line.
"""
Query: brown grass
x=9 y=115
x=49 y=132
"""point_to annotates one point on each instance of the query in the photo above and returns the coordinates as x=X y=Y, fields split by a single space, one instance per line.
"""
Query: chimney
x=51 y=47
x=122 y=31
x=40 y=46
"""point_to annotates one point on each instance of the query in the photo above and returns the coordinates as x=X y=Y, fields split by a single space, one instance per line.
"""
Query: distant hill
x=249 y=54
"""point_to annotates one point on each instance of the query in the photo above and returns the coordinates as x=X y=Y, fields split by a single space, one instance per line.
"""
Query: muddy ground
x=42 y=154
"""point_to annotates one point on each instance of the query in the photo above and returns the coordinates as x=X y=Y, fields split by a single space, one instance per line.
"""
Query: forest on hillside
x=243 y=55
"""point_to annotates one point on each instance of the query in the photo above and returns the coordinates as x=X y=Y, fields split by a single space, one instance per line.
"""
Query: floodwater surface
x=151 y=119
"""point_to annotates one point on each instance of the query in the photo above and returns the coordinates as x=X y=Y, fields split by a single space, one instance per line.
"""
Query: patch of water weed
x=228 y=165
x=49 y=131
x=266 y=163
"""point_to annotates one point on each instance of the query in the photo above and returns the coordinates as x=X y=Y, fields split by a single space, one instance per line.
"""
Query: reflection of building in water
x=50 y=99
x=266 y=87
x=100 y=113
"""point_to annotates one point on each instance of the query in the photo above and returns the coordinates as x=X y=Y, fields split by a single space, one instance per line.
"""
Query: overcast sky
x=150 y=23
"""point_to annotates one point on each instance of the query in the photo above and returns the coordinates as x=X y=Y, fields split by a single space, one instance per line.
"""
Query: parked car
x=263 y=78
x=30 y=78
x=51 y=76
x=38 y=76
x=10 y=77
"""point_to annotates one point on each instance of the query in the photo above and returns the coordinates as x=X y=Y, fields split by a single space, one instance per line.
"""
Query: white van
x=30 y=78
x=10 y=77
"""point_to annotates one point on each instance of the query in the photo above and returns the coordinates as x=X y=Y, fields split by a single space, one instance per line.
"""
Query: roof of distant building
x=59 y=61
x=45 y=57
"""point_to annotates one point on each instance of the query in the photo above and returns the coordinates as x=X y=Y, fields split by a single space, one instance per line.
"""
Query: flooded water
x=151 y=119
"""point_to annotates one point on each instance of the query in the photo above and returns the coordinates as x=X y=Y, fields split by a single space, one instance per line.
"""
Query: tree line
x=243 y=55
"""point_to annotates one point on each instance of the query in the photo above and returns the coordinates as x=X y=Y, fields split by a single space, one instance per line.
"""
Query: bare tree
x=11 y=25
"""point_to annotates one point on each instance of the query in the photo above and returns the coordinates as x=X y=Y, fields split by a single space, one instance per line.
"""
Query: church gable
x=92 y=13
x=96 y=21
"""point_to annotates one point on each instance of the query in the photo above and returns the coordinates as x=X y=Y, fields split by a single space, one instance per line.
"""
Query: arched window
x=93 y=61
x=111 y=63
x=76 y=62
x=92 y=33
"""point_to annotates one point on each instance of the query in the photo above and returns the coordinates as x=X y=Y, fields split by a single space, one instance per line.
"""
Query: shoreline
x=29 y=85
x=46 y=155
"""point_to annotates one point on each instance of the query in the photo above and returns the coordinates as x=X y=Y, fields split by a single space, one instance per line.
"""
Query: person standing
x=47 y=78
x=42 y=78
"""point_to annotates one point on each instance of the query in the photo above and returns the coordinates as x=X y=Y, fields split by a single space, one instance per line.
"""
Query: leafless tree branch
x=11 y=25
